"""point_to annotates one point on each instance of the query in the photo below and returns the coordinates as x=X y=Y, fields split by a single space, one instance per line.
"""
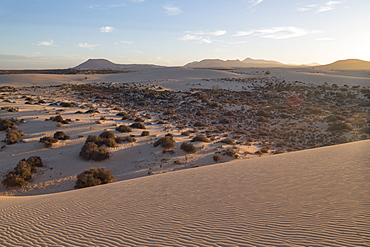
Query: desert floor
x=284 y=177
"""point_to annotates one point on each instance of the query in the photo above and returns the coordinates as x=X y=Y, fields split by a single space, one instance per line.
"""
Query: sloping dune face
x=315 y=197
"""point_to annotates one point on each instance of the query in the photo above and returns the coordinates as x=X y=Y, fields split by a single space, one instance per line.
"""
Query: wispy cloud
x=126 y=42
x=255 y=2
x=98 y=6
x=320 y=8
x=106 y=29
x=87 y=45
x=214 y=33
x=46 y=43
x=172 y=10
x=284 y=32
x=199 y=39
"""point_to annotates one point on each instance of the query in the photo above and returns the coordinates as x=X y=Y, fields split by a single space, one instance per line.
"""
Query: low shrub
x=22 y=173
x=145 y=133
x=60 y=135
x=200 y=138
x=5 y=124
x=125 y=139
x=188 y=147
x=227 y=141
x=57 y=118
x=12 y=136
x=91 y=151
x=123 y=128
x=110 y=142
x=93 y=177
x=137 y=125
x=48 y=141
x=339 y=127
x=230 y=152
x=217 y=157
x=107 y=134
x=166 y=142
x=124 y=115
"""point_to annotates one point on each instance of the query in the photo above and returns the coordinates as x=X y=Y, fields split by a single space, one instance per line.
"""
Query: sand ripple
x=294 y=199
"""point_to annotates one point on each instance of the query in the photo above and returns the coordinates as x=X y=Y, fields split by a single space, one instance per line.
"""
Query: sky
x=65 y=33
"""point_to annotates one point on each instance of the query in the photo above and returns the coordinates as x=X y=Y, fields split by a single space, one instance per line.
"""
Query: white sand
x=177 y=78
x=318 y=197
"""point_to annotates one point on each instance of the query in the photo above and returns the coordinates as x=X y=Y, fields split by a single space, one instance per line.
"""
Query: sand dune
x=293 y=199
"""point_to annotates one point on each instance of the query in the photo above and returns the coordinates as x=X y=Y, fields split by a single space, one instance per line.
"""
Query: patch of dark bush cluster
x=124 y=115
x=188 y=147
x=123 y=128
x=60 y=119
x=6 y=123
x=137 y=126
x=93 y=150
x=13 y=136
x=60 y=135
x=22 y=173
x=200 y=138
x=48 y=141
x=93 y=177
x=166 y=142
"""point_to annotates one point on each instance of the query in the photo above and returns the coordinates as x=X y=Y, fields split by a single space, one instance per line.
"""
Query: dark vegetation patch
x=22 y=173
x=93 y=177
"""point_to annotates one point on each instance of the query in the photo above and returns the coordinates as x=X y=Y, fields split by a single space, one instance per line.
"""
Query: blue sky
x=64 y=33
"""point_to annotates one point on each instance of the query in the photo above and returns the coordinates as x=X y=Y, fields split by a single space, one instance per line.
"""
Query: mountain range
x=349 y=64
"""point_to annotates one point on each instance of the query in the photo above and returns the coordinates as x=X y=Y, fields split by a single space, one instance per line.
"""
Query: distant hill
x=349 y=64
x=106 y=64
x=246 y=63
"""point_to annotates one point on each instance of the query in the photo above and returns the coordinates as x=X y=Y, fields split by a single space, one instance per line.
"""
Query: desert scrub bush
x=48 y=141
x=121 y=139
x=217 y=157
x=124 y=115
x=145 y=133
x=188 y=147
x=137 y=125
x=200 y=138
x=93 y=177
x=95 y=139
x=107 y=134
x=91 y=151
x=60 y=135
x=92 y=111
x=339 y=127
x=123 y=128
x=166 y=142
x=230 y=152
x=22 y=173
x=12 y=136
x=227 y=141
x=186 y=133
x=57 y=118
x=110 y=142
x=6 y=124
x=264 y=150
x=139 y=120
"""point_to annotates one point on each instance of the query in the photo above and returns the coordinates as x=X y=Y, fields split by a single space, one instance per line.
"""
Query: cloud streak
x=171 y=10
x=199 y=39
x=106 y=29
x=87 y=45
x=283 y=32
x=320 y=8
x=255 y=2
x=214 y=33
x=46 y=43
